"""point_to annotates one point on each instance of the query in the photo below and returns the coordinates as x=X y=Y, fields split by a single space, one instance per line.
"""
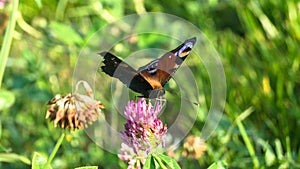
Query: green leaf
x=0 y=129
x=218 y=165
x=7 y=99
x=150 y=163
x=169 y=162
x=279 y=149
x=65 y=33
x=39 y=3
x=38 y=161
x=270 y=156
x=12 y=157
x=88 y=167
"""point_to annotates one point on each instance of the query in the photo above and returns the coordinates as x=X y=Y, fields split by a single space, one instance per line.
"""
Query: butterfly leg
x=161 y=102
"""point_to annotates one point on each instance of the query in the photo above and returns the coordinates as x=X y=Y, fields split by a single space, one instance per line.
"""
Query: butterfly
x=150 y=79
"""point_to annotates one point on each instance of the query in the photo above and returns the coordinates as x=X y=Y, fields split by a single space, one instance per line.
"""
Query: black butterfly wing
x=162 y=69
x=115 y=67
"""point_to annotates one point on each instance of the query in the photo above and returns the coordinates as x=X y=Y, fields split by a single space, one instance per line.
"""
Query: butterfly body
x=150 y=79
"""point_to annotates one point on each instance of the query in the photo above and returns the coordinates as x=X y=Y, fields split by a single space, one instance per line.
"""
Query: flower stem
x=60 y=140
x=161 y=164
x=8 y=38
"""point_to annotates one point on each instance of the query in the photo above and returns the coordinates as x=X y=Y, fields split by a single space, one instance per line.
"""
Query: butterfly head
x=184 y=50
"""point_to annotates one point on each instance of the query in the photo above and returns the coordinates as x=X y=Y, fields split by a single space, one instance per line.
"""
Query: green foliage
x=259 y=42
x=160 y=161
x=168 y=161
x=7 y=99
x=149 y=162
x=61 y=31
x=12 y=157
x=87 y=167
x=8 y=39
x=218 y=165
x=38 y=161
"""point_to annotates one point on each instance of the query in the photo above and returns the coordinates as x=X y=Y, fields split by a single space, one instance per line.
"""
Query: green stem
x=161 y=164
x=247 y=141
x=8 y=38
x=60 y=140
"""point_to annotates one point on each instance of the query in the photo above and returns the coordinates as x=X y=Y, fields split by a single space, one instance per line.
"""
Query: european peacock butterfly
x=150 y=79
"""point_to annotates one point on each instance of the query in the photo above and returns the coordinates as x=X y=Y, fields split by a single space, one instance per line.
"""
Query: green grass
x=259 y=45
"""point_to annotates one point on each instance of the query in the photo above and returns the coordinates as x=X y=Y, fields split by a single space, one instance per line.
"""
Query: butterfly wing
x=162 y=69
x=115 y=67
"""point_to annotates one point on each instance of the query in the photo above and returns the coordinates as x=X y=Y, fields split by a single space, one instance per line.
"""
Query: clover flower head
x=144 y=132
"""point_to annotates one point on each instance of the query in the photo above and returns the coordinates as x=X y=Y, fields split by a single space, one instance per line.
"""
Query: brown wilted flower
x=194 y=147
x=74 y=111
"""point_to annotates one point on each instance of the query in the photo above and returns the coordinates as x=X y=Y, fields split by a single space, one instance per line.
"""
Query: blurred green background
x=259 y=45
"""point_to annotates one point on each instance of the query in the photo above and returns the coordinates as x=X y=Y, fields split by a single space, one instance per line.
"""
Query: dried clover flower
x=194 y=147
x=74 y=111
